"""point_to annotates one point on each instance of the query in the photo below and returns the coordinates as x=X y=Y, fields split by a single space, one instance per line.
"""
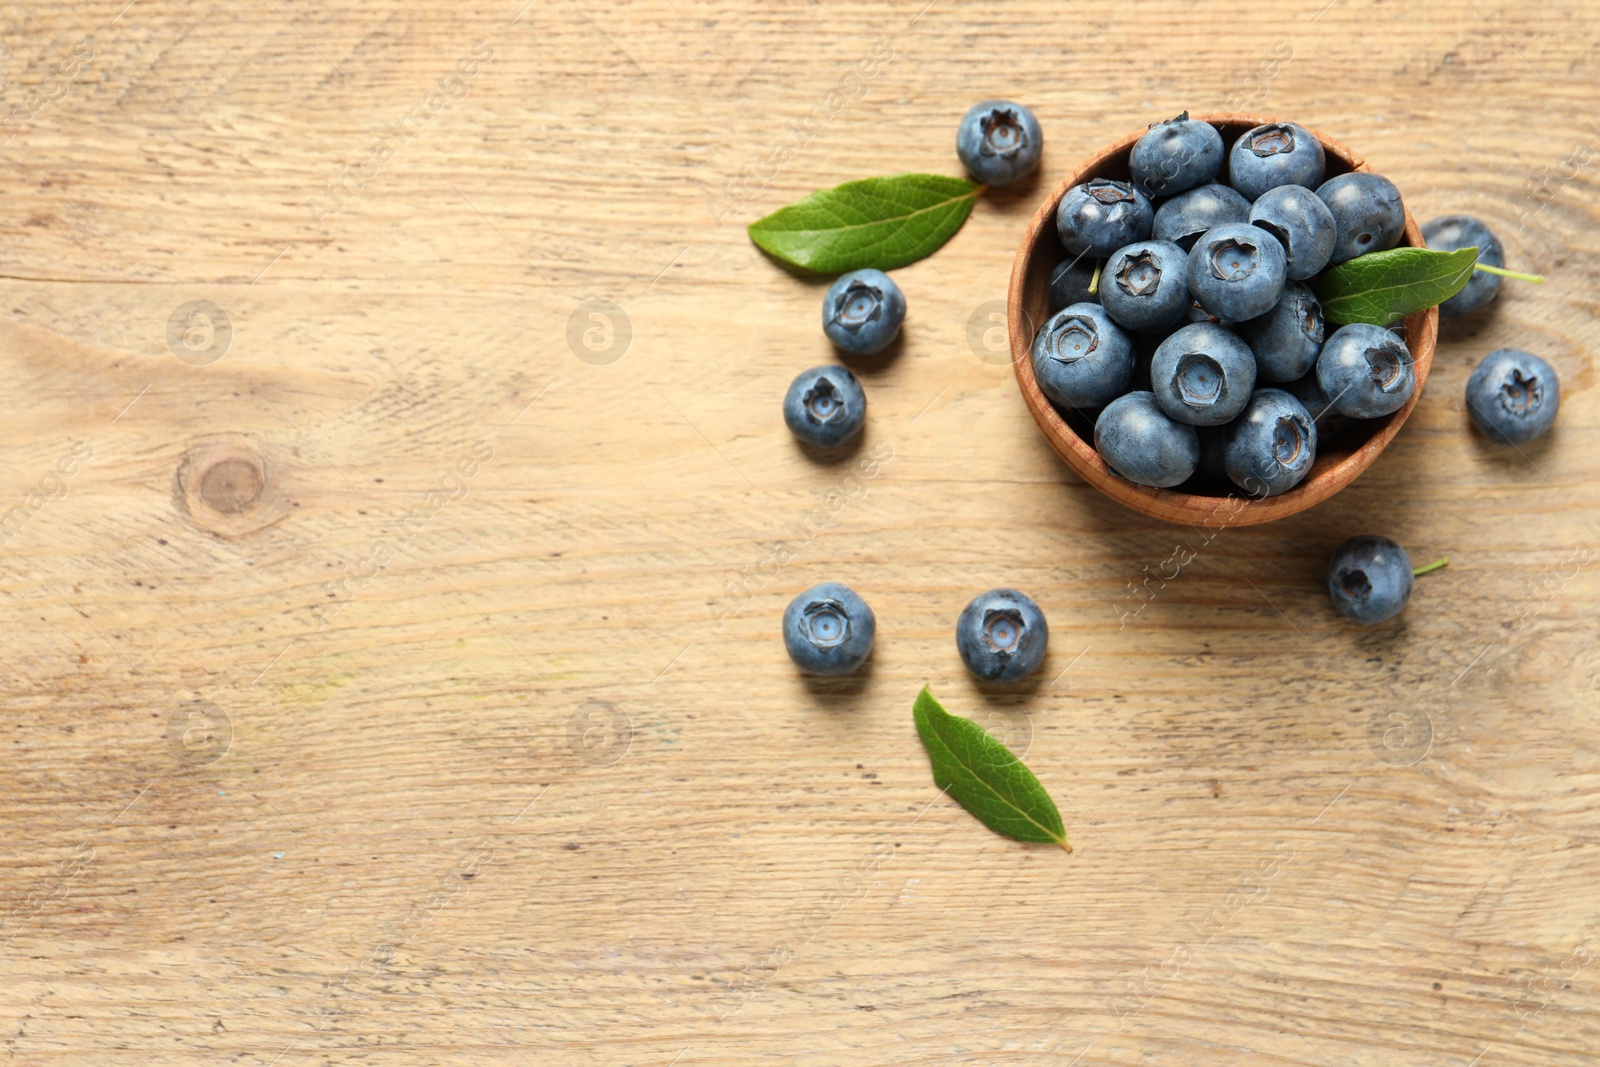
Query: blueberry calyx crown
x=1139 y=276
x=1182 y=116
x=1521 y=396
x=1311 y=323
x=827 y=625
x=1288 y=440
x=1074 y=338
x=823 y=401
x=1355 y=583
x=1272 y=140
x=1199 y=379
x=1003 y=135
x=1002 y=630
x=858 y=305
x=1108 y=191
x=1385 y=366
x=1233 y=260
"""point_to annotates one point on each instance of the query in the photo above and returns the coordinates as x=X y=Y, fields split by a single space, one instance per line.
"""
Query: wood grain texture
x=402 y=683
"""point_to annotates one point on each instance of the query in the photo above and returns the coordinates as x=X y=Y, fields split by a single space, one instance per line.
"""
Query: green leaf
x=1382 y=287
x=875 y=222
x=985 y=778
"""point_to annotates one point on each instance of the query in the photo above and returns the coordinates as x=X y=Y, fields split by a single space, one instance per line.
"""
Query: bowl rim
x=1421 y=337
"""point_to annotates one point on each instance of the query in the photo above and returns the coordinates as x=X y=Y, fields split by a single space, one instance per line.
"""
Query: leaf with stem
x=985 y=777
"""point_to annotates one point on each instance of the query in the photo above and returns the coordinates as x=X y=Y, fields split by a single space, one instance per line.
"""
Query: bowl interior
x=1341 y=454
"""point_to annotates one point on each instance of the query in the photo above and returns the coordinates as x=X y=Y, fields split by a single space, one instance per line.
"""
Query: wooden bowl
x=1071 y=433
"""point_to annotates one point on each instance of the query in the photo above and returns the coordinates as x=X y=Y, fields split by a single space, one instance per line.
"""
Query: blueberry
x=1081 y=358
x=1186 y=216
x=1370 y=579
x=1308 y=391
x=862 y=311
x=825 y=406
x=1453 y=232
x=828 y=630
x=1513 y=396
x=1100 y=216
x=999 y=142
x=1303 y=225
x=1143 y=288
x=1175 y=155
x=1002 y=636
x=1286 y=339
x=1269 y=448
x=1069 y=284
x=1367 y=214
x=1197 y=313
x=1365 y=371
x=1202 y=375
x=1236 y=271
x=1279 y=153
x=1141 y=443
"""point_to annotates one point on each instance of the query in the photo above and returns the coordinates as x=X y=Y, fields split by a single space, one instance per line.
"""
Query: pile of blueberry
x=1181 y=320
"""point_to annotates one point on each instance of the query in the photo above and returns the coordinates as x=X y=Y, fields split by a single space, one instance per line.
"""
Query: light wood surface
x=396 y=686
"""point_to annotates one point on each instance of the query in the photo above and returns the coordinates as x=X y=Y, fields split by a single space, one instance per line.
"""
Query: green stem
x=1442 y=561
x=1094 y=282
x=1536 y=279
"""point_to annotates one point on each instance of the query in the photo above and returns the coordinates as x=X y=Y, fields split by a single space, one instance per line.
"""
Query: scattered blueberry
x=1513 y=396
x=1202 y=375
x=1365 y=371
x=1002 y=636
x=1081 y=358
x=999 y=142
x=862 y=311
x=1367 y=214
x=1069 y=284
x=1142 y=286
x=1101 y=215
x=1287 y=339
x=828 y=630
x=1370 y=579
x=1141 y=443
x=1175 y=155
x=1197 y=313
x=1303 y=225
x=1279 y=153
x=1236 y=271
x=1186 y=216
x=1454 y=232
x=825 y=406
x=1269 y=448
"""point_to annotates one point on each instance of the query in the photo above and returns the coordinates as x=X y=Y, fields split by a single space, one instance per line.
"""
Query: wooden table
x=401 y=514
